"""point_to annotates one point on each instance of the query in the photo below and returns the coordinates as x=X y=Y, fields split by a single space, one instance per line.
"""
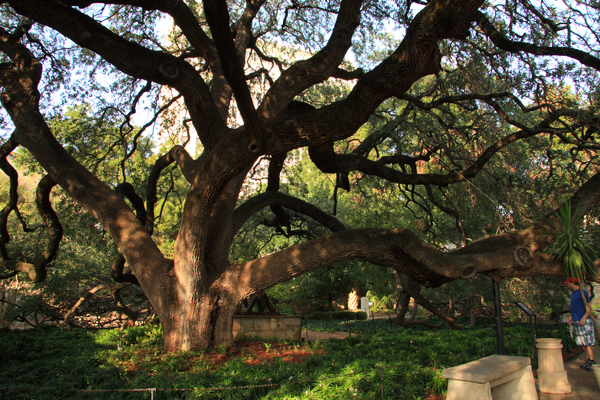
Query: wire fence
x=154 y=392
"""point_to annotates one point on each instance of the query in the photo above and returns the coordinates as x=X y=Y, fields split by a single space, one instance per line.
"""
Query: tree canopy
x=476 y=118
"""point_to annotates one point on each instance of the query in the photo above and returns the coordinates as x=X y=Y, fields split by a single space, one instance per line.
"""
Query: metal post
x=533 y=335
x=303 y=323
x=382 y=398
x=498 y=314
x=532 y=318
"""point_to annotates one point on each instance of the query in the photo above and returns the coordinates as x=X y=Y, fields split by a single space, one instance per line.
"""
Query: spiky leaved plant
x=571 y=246
x=572 y=249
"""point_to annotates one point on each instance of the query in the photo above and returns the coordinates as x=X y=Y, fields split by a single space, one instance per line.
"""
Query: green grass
x=58 y=363
x=352 y=327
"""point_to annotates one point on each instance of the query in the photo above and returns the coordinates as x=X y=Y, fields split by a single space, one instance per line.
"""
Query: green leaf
x=571 y=246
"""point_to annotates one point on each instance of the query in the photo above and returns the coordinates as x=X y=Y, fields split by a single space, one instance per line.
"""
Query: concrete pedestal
x=596 y=369
x=551 y=374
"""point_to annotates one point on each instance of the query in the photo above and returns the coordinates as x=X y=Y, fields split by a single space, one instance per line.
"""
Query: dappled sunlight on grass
x=404 y=363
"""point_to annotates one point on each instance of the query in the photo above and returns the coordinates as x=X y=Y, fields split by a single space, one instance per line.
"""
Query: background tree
x=108 y=52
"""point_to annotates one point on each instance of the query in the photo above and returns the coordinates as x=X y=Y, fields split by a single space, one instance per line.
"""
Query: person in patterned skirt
x=583 y=327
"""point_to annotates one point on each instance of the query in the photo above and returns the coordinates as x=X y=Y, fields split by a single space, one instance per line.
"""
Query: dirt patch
x=251 y=353
x=254 y=353
x=434 y=396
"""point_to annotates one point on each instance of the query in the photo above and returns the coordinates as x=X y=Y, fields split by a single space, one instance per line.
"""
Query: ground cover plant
x=399 y=364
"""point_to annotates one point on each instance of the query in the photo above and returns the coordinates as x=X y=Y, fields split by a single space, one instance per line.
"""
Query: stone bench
x=496 y=377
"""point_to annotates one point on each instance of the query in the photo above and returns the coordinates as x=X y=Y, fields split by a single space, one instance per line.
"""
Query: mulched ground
x=254 y=353
x=251 y=353
x=435 y=396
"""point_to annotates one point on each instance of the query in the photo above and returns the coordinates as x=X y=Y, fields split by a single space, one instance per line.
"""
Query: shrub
x=337 y=315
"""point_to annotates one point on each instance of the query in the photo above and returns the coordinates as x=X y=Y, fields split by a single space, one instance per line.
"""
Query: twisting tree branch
x=504 y=43
x=119 y=273
x=413 y=289
x=6 y=149
x=251 y=206
x=126 y=127
x=37 y=269
x=54 y=226
x=275 y=168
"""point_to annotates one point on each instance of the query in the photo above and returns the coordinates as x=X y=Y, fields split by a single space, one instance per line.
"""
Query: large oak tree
x=522 y=51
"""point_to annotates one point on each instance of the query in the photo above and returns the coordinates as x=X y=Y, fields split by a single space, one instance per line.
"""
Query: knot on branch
x=85 y=36
x=169 y=70
x=6 y=99
x=468 y=272
x=257 y=141
x=523 y=257
x=254 y=146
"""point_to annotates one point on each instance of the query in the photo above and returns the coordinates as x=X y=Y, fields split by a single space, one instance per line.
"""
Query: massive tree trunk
x=200 y=321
